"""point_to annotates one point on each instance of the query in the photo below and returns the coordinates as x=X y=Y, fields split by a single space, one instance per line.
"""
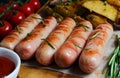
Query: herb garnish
x=8 y=9
x=18 y=29
x=113 y=65
x=84 y=26
x=105 y=2
x=36 y=18
x=42 y=21
x=80 y=47
x=48 y=43
x=1 y=24
x=95 y=35
x=28 y=34
x=70 y=1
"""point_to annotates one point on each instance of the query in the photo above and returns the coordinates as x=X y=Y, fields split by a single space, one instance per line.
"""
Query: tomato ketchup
x=6 y=66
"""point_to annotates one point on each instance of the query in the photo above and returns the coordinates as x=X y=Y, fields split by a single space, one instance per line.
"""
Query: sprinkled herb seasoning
x=18 y=29
x=48 y=43
x=80 y=47
x=95 y=35
x=42 y=20
x=84 y=26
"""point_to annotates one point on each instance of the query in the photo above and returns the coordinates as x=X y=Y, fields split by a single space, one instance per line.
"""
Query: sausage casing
x=70 y=50
x=45 y=52
x=91 y=56
x=27 y=47
x=20 y=32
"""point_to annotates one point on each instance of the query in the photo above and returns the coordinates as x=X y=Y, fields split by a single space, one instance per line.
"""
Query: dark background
x=42 y=1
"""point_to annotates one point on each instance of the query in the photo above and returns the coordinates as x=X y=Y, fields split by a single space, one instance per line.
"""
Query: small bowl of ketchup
x=9 y=63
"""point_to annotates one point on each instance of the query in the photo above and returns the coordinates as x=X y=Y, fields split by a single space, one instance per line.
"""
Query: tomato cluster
x=15 y=11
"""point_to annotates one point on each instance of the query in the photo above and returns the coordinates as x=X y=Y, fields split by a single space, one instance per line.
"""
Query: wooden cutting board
x=34 y=72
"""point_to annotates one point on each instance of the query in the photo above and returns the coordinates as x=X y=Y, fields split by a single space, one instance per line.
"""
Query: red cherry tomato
x=27 y=9
x=2 y=8
x=12 y=3
x=5 y=28
x=16 y=6
x=36 y=4
x=16 y=18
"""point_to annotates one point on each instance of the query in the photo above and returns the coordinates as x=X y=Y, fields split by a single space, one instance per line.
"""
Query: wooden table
x=34 y=72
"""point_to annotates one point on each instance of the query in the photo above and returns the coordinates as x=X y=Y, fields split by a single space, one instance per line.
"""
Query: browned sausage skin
x=92 y=55
x=70 y=50
x=45 y=52
x=20 y=32
x=27 y=47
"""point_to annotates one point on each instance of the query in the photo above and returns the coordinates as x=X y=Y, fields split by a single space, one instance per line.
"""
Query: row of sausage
x=60 y=42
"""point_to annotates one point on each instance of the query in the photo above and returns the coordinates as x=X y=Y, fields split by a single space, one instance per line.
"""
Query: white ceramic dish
x=13 y=57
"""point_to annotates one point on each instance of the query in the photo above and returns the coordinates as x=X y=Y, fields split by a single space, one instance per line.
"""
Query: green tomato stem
x=1 y=23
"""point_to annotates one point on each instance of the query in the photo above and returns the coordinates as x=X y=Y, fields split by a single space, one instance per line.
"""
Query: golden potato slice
x=114 y=2
x=96 y=19
x=101 y=8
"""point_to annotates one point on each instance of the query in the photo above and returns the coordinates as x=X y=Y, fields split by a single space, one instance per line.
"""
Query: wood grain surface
x=34 y=72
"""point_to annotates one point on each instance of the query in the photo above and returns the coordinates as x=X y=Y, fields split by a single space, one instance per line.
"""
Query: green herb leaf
x=28 y=34
x=8 y=9
x=1 y=24
x=113 y=64
x=80 y=47
x=42 y=21
x=37 y=18
x=84 y=26
x=48 y=43
x=95 y=35
x=18 y=29
x=70 y=1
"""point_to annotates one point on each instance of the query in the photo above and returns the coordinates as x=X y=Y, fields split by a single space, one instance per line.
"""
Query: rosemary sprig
x=28 y=34
x=84 y=26
x=42 y=21
x=18 y=29
x=1 y=24
x=37 y=18
x=113 y=65
x=80 y=47
x=8 y=9
x=95 y=35
x=70 y=1
x=48 y=43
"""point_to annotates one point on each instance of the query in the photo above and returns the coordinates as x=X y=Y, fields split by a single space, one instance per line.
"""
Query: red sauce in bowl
x=6 y=66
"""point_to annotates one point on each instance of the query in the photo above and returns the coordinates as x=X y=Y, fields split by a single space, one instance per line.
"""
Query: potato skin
x=96 y=19
x=114 y=2
x=101 y=8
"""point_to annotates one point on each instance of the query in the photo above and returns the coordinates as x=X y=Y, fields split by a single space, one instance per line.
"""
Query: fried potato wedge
x=96 y=19
x=114 y=2
x=101 y=8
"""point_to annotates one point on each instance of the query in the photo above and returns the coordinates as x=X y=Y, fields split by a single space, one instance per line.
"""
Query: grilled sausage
x=27 y=47
x=45 y=52
x=70 y=50
x=20 y=32
x=91 y=56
